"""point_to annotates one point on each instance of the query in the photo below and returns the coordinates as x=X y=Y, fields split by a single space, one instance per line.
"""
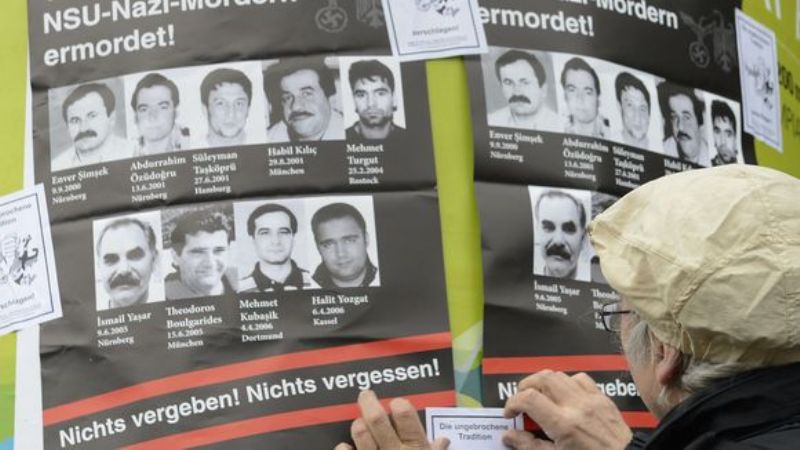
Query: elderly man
x=127 y=258
x=90 y=114
x=559 y=235
x=683 y=111
x=299 y=92
x=524 y=83
x=200 y=251
x=708 y=323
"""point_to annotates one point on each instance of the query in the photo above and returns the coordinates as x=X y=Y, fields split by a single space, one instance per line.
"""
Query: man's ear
x=668 y=363
x=175 y=258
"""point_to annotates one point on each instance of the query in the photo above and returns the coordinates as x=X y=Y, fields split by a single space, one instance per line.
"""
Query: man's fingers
x=440 y=443
x=585 y=382
x=556 y=385
x=376 y=420
x=536 y=405
x=361 y=436
x=406 y=421
x=343 y=446
x=522 y=440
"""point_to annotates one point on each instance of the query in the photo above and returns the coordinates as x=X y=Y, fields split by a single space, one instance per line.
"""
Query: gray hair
x=695 y=375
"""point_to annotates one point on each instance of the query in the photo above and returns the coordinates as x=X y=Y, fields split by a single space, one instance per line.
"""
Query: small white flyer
x=428 y=29
x=28 y=284
x=470 y=428
x=758 y=69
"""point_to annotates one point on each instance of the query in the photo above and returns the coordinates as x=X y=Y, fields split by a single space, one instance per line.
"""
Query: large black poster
x=245 y=222
x=576 y=104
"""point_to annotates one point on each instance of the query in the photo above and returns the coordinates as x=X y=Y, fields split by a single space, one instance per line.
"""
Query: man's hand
x=375 y=431
x=571 y=411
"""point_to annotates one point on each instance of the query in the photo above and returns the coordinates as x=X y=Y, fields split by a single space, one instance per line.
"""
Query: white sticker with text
x=758 y=69
x=428 y=29
x=470 y=428
x=28 y=284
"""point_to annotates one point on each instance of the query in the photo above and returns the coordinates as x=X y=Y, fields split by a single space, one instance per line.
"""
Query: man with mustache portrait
x=90 y=116
x=127 y=258
x=560 y=230
x=299 y=93
x=683 y=111
x=523 y=80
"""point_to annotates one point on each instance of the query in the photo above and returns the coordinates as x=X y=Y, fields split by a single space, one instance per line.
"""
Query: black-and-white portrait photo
x=155 y=122
x=272 y=247
x=726 y=135
x=520 y=92
x=345 y=252
x=583 y=98
x=127 y=260
x=304 y=101
x=224 y=105
x=683 y=111
x=638 y=124
x=199 y=242
x=372 y=99
x=87 y=124
x=560 y=244
x=600 y=202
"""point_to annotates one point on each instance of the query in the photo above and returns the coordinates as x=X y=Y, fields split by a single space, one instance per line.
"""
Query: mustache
x=299 y=115
x=85 y=134
x=519 y=99
x=124 y=279
x=682 y=135
x=559 y=250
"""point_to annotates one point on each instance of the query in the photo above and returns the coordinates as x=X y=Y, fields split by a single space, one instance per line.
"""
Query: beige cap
x=710 y=259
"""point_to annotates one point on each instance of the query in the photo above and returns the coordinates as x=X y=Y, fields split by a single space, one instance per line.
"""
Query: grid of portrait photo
x=580 y=95
x=299 y=99
x=221 y=249
x=561 y=247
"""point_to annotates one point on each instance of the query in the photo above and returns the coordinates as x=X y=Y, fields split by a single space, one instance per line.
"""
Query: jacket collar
x=732 y=409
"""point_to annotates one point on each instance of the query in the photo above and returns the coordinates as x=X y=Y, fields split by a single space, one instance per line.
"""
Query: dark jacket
x=323 y=276
x=754 y=410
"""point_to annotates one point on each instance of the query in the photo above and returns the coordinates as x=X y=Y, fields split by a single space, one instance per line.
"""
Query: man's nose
x=341 y=251
x=297 y=104
x=206 y=259
x=124 y=266
x=680 y=124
